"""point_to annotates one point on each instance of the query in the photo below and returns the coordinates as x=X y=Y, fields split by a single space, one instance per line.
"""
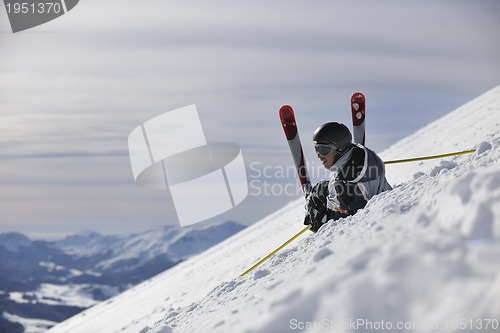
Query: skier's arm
x=345 y=199
x=335 y=200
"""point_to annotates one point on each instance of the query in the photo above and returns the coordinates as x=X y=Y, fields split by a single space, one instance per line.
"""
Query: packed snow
x=423 y=257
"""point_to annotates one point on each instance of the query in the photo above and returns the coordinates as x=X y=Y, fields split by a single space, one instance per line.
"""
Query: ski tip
x=286 y=110
x=357 y=96
x=358 y=116
x=286 y=114
x=288 y=121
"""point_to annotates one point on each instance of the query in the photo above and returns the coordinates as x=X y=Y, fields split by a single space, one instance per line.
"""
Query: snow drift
x=419 y=258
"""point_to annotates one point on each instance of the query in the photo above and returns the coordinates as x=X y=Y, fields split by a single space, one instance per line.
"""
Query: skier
x=357 y=175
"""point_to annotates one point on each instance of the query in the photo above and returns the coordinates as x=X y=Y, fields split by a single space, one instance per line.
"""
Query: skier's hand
x=316 y=213
x=315 y=224
x=316 y=206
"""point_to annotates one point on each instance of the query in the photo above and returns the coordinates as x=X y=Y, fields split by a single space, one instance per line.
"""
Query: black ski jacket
x=356 y=177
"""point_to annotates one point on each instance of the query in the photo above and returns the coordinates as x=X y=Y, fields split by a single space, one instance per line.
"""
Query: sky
x=73 y=89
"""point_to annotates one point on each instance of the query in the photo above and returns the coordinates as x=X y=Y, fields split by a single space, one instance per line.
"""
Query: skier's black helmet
x=336 y=134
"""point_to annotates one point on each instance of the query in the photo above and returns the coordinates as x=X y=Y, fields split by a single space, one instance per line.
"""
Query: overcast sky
x=72 y=90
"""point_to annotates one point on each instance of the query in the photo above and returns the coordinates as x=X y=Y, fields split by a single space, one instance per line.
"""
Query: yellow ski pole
x=274 y=252
x=430 y=157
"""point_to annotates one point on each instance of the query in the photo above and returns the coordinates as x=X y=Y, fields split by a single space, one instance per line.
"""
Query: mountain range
x=44 y=282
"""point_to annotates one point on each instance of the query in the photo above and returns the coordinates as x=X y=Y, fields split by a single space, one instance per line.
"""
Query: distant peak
x=88 y=234
x=225 y=224
x=13 y=241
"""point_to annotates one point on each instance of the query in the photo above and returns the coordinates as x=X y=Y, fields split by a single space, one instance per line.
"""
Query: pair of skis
x=358 y=112
x=292 y=135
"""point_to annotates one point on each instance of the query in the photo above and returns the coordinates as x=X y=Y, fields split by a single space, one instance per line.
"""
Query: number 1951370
x=34 y=8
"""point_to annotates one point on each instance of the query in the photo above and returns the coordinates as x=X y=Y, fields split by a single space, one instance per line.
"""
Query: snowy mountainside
x=176 y=243
x=14 y=242
x=421 y=258
x=87 y=243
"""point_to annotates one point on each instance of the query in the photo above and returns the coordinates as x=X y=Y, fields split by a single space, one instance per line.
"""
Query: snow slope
x=423 y=257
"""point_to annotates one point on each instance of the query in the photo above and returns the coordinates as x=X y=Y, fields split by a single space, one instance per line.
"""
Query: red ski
x=358 y=117
x=292 y=135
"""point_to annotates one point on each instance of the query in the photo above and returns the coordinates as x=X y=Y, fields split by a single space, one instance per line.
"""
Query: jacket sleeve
x=345 y=198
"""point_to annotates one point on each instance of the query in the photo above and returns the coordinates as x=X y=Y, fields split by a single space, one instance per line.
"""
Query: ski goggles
x=324 y=149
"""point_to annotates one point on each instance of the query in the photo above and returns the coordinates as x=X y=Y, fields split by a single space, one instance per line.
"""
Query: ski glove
x=316 y=211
